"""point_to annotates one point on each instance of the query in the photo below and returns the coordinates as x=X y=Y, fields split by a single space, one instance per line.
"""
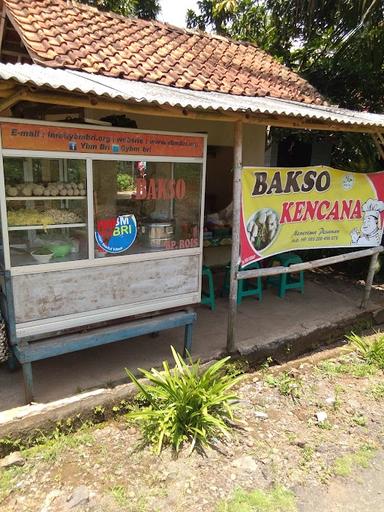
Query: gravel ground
x=316 y=430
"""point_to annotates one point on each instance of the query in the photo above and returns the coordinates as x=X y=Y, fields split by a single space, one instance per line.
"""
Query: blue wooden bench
x=28 y=352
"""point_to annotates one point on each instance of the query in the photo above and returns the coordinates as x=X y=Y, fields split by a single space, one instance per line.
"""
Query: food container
x=157 y=234
x=41 y=258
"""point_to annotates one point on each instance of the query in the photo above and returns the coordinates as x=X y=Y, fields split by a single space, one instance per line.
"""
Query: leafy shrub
x=125 y=182
x=371 y=352
x=185 y=403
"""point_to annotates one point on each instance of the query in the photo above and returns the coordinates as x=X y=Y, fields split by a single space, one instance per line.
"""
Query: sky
x=174 y=11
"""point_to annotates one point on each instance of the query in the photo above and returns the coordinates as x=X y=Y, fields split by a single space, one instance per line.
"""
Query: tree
x=338 y=45
x=145 y=9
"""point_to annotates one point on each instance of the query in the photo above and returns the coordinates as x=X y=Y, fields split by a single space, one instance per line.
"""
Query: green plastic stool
x=246 y=287
x=208 y=298
x=286 y=282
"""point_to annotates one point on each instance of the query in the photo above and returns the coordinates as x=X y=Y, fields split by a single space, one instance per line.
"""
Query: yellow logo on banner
x=287 y=209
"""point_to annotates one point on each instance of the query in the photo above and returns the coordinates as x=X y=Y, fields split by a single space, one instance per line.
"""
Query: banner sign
x=287 y=209
x=38 y=137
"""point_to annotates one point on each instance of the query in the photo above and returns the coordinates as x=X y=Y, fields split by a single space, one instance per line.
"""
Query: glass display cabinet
x=97 y=223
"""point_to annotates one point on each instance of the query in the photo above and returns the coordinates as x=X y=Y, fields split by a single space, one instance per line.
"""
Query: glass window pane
x=146 y=206
x=46 y=210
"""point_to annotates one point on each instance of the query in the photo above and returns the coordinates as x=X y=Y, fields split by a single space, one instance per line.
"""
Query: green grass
x=357 y=369
x=307 y=455
x=370 y=351
x=277 y=499
x=343 y=466
x=360 y=420
x=237 y=367
x=49 y=448
x=285 y=383
x=377 y=391
x=120 y=494
x=7 y=480
x=324 y=425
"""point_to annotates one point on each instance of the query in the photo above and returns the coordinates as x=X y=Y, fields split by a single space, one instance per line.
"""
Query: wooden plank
x=11 y=100
x=235 y=253
x=55 y=346
x=308 y=265
x=69 y=292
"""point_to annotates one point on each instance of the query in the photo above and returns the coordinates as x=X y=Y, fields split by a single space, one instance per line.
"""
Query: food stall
x=97 y=224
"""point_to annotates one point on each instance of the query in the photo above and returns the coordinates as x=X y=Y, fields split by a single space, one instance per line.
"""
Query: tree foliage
x=145 y=9
x=338 y=45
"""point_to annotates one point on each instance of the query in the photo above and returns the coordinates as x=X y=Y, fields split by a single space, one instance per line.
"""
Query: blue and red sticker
x=117 y=234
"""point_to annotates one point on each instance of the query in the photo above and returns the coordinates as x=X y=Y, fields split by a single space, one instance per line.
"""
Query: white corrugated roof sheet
x=140 y=92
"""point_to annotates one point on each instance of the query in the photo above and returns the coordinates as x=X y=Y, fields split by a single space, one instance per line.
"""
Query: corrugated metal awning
x=160 y=95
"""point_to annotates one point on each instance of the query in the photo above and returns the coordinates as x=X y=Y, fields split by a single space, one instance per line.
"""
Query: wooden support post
x=12 y=360
x=368 y=283
x=188 y=340
x=237 y=166
x=28 y=382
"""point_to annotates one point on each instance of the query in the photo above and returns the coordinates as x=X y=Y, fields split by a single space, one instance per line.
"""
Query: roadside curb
x=285 y=349
x=22 y=422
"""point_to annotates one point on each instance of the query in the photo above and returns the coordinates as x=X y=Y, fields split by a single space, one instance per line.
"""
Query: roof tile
x=64 y=33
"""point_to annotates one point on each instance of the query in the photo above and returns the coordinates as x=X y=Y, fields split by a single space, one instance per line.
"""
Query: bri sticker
x=117 y=234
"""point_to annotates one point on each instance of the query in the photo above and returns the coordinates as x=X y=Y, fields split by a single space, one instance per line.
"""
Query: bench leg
x=28 y=382
x=187 y=340
x=12 y=361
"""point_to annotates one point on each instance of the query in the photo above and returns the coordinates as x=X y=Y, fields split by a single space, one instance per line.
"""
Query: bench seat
x=28 y=352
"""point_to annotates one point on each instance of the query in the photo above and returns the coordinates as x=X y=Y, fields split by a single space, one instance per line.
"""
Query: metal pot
x=157 y=234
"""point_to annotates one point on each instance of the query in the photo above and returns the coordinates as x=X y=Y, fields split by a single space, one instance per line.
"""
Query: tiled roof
x=66 y=34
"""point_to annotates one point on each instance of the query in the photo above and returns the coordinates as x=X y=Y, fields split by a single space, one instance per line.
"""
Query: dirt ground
x=310 y=438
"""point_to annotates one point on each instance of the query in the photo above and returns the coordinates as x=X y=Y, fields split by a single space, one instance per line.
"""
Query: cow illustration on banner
x=288 y=209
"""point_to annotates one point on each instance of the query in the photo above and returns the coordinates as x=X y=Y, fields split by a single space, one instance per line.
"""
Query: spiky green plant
x=185 y=404
x=372 y=352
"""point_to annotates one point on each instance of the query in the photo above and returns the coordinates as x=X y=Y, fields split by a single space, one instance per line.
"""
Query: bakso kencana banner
x=287 y=209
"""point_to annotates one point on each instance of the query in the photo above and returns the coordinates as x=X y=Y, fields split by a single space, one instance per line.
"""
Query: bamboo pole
x=369 y=281
x=308 y=265
x=235 y=254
